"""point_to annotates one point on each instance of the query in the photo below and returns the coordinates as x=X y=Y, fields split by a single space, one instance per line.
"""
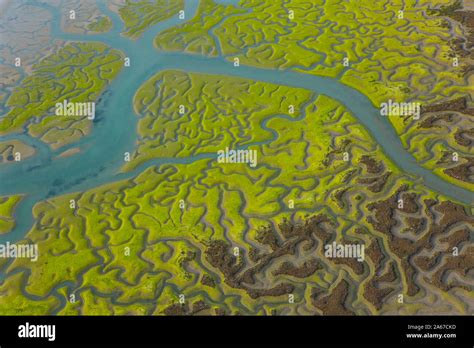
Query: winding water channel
x=101 y=156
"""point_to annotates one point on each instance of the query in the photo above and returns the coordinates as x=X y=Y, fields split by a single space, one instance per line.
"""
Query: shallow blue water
x=102 y=151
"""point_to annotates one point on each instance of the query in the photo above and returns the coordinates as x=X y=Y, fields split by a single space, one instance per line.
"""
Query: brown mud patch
x=442 y=217
x=282 y=242
x=463 y=171
x=334 y=303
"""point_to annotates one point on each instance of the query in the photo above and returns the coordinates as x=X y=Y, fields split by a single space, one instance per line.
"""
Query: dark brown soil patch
x=373 y=167
x=383 y=220
x=282 y=241
x=377 y=183
x=463 y=171
x=465 y=137
x=334 y=303
x=307 y=269
x=208 y=281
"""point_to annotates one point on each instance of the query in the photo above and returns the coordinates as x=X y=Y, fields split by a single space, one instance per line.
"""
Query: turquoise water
x=114 y=133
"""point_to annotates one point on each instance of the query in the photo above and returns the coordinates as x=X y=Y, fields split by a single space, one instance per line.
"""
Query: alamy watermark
x=392 y=108
x=28 y=330
x=336 y=250
x=76 y=109
x=237 y=156
x=15 y=251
